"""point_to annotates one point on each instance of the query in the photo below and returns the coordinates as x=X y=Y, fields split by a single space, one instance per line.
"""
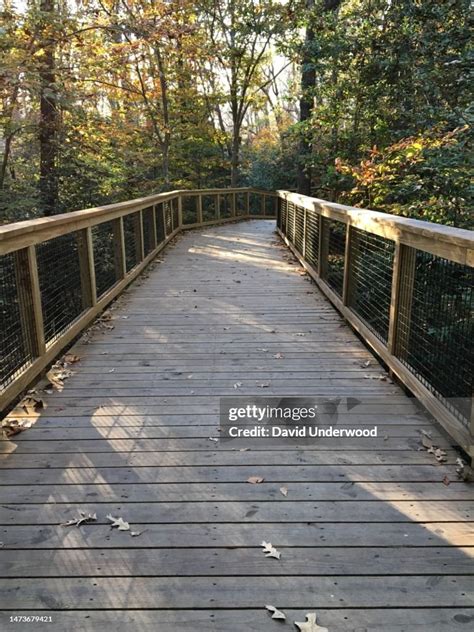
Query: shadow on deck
x=374 y=534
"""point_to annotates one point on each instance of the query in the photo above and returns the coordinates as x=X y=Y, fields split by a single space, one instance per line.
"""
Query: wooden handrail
x=20 y=240
x=408 y=237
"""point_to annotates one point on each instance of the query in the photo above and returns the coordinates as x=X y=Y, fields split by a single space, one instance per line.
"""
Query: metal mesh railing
x=312 y=239
x=148 y=230
x=371 y=280
x=269 y=206
x=240 y=204
x=290 y=222
x=60 y=283
x=104 y=256
x=209 y=208
x=168 y=218
x=175 y=213
x=226 y=205
x=15 y=340
x=299 y=229
x=190 y=209
x=255 y=204
x=160 y=223
x=336 y=249
x=435 y=332
x=132 y=240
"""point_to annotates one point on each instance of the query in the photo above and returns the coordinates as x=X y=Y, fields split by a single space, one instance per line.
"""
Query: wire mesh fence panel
x=175 y=212
x=312 y=239
x=104 y=256
x=371 y=280
x=269 y=206
x=255 y=204
x=148 y=230
x=60 y=283
x=435 y=332
x=160 y=224
x=336 y=249
x=226 y=206
x=190 y=209
x=132 y=257
x=290 y=222
x=168 y=219
x=209 y=208
x=240 y=204
x=282 y=215
x=15 y=339
x=299 y=229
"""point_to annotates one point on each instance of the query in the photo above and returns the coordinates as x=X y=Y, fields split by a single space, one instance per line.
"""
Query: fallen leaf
x=214 y=439
x=71 y=358
x=237 y=385
x=446 y=481
x=278 y=356
x=244 y=449
x=254 y=480
x=135 y=534
x=83 y=518
x=464 y=471
x=310 y=624
x=270 y=550
x=284 y=491
x=261 y=349
x=119 y=523
x=277 y=614
x=263 y=384
x=300 y=334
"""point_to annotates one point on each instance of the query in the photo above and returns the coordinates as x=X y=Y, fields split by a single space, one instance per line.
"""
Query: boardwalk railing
x=58 y=273
x=406 y=286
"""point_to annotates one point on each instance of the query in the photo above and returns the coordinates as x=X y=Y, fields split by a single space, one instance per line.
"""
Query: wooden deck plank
x=374 y=534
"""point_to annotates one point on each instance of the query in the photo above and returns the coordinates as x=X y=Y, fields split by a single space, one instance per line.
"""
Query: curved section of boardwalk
x=370 y=536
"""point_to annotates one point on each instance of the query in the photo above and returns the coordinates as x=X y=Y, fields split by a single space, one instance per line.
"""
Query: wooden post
x=138 y=234
x=262 y=203
x=87 y=269
x=247 y=203
x=275 y=206
x=403 y=280
x=233 y=205
x=349 y=254
x=119 y=249
x=218 y=202
x=180 y=211
x=29 y=300
x=199 y=208
x=323 y=250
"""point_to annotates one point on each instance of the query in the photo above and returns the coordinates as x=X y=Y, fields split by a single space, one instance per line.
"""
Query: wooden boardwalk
x=370 y=536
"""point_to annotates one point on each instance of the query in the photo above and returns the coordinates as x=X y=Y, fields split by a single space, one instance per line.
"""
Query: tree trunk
x=308 y=81
x=48 y=186
x=235 y=158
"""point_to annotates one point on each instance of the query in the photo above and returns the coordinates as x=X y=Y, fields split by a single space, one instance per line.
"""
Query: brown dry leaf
x=254 y=480
x=71 y=358
x=12 y=427
x=270 y=550
x=310 y=624
x=446 y=481
x=464 y=471
x=31 y=403
x=83 y=518
x=426 y=442
x=284 y=491
x=278 y=356
x=119 y=523
x=276 y=614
